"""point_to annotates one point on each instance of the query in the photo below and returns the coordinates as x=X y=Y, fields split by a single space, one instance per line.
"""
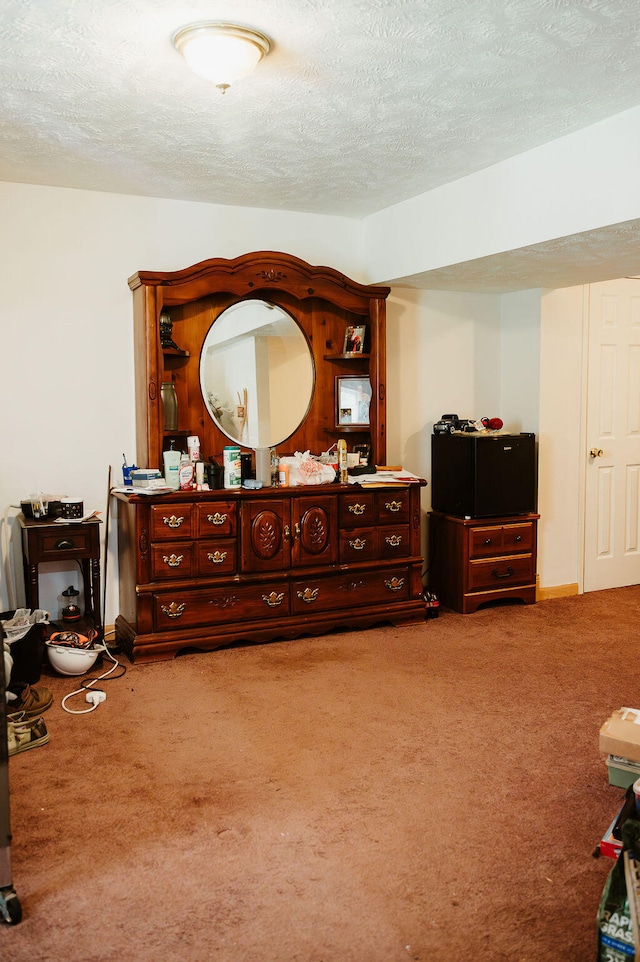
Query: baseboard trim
x=556 y=591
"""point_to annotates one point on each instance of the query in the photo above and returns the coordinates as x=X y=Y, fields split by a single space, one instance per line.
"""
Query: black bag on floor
x=27 y=652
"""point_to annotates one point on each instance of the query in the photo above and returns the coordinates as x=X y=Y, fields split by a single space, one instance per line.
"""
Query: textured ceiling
x=360 y=104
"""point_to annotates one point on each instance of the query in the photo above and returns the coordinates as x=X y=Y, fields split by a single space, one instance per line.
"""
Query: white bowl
x=72 y=661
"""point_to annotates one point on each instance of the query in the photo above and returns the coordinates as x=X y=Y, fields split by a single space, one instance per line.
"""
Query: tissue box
x=142 y=477
x=620 y=734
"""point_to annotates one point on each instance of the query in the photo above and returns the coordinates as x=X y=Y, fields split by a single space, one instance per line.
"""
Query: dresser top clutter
x=267 y=353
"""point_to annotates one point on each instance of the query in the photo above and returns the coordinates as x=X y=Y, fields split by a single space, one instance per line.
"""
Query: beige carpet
x=429 y=793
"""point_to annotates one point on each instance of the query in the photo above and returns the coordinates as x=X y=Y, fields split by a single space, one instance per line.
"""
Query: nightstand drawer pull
x=217 y=518
x=173 y=522
x=274 y=599
x=358 y=544
x=393 y=506
x=216 y=557
x=65 y=545
x=508 y=573
x=173 y=610
x=394 y=584
x=356 y=508
x=308 y=595
x=394 y=540
x=173 y=560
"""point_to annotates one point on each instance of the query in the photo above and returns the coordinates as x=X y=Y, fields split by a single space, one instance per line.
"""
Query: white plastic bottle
x=171 y=460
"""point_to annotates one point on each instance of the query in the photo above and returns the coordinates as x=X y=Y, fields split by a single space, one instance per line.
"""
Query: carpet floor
x=431 y=793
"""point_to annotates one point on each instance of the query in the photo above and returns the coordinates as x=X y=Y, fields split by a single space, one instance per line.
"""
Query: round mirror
x=256 y=374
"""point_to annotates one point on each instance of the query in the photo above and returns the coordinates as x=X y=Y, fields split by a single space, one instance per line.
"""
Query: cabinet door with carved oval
x=266 y=535
x=314 y=526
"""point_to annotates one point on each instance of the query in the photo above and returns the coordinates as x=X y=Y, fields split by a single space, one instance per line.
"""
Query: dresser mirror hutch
x=257 y=352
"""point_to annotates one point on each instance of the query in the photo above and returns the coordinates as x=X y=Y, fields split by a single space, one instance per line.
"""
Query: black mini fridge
x=484 y=475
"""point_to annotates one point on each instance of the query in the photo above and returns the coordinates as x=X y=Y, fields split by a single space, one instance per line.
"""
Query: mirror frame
x=322 y=300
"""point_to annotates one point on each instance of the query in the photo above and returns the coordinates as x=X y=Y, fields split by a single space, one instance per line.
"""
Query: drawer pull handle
x=356 y=508
x=508 y=573
x=173 y=560
x=394 y=584
x=65 y=545
x=172 y=522
x=487 y=540
x=287 y=532
x=358 y=543
x=173 y=610
x=518 y=538
x=273 y=600
x=296 y=530
x=216 y=557
x=393 y=506
x=309 y=595
x=217 y=518
x=227 y=601
x=394 y=540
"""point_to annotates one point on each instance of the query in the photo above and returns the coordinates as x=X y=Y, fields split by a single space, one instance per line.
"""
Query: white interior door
x=612 y=492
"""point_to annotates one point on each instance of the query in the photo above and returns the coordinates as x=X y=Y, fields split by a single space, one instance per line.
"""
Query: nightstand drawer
x=501 y=572
x=50 y=544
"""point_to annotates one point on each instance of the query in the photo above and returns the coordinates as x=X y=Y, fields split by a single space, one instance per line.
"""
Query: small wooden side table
x=49 y=540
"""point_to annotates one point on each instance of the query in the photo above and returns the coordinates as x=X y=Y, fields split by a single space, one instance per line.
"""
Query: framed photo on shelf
x=354 y=340
x=353 y=398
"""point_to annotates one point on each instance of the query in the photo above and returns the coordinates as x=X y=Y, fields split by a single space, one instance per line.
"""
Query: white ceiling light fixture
x=222 y=53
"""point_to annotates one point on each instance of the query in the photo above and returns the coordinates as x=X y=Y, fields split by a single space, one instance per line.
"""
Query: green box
x=622 y=771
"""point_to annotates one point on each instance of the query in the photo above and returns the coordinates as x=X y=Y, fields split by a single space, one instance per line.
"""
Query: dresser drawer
x=358 y=544
x=216 y=520
x=171 y=522
x=393 y=542
x=356 y=510
x=501 y=572
x=392 y=506
x=216 y=557
x=171 y=561
x=173 y=610
x=350 y=589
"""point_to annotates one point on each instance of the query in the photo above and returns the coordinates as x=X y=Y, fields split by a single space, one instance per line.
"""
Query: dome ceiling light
x=222 y=53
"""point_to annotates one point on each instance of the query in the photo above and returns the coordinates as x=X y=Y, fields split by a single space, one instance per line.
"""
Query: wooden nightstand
x=482 y=559
x=48 y=540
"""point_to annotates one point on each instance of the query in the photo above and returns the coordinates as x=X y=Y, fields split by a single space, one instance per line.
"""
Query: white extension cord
x=92 y=697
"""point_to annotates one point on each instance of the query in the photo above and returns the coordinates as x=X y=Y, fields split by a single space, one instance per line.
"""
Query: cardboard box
x=620 y=734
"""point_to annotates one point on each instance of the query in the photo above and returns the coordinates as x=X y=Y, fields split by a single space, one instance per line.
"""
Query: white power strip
x=96 y=697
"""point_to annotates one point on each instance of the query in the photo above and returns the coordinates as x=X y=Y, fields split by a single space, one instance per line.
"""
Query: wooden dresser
x=205 y=569
x=474 y=561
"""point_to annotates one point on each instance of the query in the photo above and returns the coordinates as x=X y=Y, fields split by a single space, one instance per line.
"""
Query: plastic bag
x=22 y=620
x=305 y=469
x=615 y=926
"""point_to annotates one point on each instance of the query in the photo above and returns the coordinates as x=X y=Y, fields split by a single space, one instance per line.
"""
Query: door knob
x=596 y=453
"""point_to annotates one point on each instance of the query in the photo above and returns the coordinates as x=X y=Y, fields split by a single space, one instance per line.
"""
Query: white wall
x=520 y=361
x=576 y=183
x=66 y=387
